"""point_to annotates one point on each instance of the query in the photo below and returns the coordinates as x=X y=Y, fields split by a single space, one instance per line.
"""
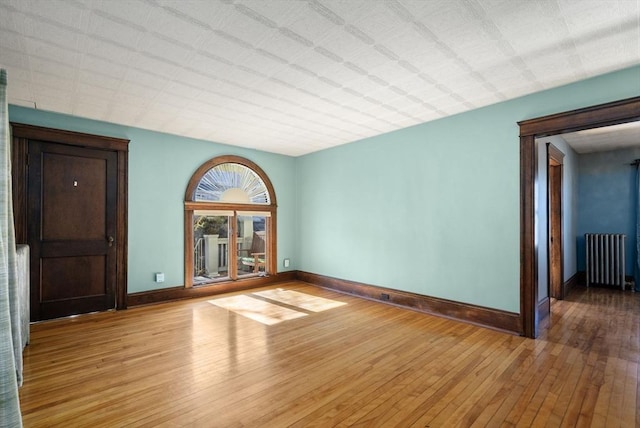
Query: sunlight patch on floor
x=300 y=300
x=257 y=310
x=272 y=313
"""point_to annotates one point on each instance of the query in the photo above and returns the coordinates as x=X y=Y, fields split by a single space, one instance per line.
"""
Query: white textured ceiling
x=616 y=137
x=294 y=77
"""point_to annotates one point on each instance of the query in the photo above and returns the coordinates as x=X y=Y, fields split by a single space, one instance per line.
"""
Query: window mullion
x=233 y=246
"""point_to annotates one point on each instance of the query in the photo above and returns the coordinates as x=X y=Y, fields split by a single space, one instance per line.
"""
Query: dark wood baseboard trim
x=478 y=315
x=544 y=308
x=178 y=293
x=572 y=282
x=581 y=280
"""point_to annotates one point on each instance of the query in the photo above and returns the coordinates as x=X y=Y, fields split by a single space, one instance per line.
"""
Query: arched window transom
x=232 y=183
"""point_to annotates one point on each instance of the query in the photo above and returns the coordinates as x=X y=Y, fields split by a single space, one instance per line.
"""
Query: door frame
x=555 y=159
x=613 y=113
x=21 y=135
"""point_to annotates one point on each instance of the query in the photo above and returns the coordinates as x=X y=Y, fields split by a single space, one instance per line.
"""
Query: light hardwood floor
x=191 y=363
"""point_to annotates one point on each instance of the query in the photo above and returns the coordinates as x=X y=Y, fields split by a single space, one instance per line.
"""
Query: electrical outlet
x=160 y=277
x=286 y=262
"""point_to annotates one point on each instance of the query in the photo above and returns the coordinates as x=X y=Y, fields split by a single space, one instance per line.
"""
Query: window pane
x=252 y=248
x=210 y=247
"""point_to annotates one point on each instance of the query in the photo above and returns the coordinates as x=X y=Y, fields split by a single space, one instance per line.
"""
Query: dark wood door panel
x=72 y=197
x=74 y=247
x=73 y=277
x=66 y=307
x=69 y=182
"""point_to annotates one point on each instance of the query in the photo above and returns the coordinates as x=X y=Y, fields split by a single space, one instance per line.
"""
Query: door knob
x=110 y=240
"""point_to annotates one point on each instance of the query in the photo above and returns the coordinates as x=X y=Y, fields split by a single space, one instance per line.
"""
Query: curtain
x=636 y=270
x=10 y=337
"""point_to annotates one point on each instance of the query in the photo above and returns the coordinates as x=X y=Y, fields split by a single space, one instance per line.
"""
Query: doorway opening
x=591 y=117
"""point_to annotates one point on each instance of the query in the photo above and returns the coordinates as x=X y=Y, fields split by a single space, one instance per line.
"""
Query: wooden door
x=556 y=283
x=71 y=228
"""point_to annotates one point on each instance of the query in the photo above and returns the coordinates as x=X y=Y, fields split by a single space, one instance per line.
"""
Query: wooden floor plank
x=489 y=409
x=515 y=387
x=364 y=391
x=629 y=395
x=545 y=397
x=602 y=407
x=464 y=395
x=427 y=398
x=191 y=363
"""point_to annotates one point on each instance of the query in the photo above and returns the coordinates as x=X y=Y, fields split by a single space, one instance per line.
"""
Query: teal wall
x=160 y=166
x=607 y=199
x=433 y=209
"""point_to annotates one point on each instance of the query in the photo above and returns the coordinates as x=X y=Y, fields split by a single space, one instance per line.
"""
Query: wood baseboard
x=478 y=315
x=574 y=281
x=544 y=308
x=178 y=293
x=580 y=279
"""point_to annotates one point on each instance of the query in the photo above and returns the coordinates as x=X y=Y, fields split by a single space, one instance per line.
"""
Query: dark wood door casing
x=104 y=152
x=555 y=159
x=613 y=113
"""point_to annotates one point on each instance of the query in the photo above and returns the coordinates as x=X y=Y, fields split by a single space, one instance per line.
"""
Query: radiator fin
x=605 y=259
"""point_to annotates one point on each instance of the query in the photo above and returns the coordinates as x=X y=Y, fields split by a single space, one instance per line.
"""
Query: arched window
x=230 y=222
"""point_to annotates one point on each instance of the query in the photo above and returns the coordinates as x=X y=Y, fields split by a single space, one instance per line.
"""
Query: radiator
x=20 y=329
x=605 y=259
x=22 y=265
